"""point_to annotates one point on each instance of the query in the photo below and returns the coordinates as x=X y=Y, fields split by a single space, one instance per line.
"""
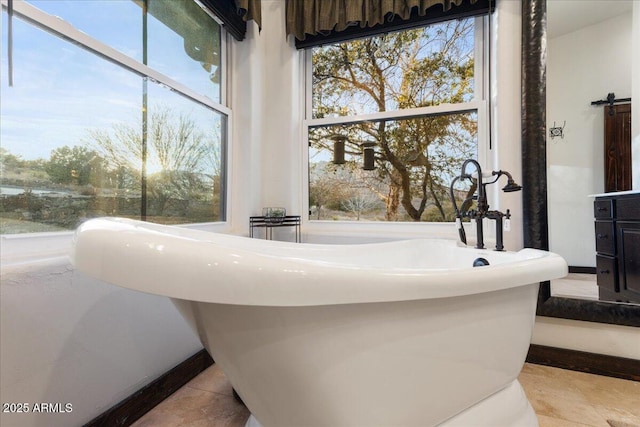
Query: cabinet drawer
x=605 y=238
x=607 y=274
x=603 y=209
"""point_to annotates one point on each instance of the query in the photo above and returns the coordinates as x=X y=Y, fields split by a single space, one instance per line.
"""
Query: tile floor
x=576 y=285
x=561 y=398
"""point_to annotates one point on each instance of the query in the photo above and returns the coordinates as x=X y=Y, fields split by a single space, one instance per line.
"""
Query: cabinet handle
x=603 y=236
x=600 y=209
x=604 y=271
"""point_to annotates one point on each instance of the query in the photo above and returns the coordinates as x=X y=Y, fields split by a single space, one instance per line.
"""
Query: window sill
x=38 y=247
x=378 y=231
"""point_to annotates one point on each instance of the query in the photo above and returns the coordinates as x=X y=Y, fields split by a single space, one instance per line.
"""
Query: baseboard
x=592 y=363
x=582 y=270
x=135 y=406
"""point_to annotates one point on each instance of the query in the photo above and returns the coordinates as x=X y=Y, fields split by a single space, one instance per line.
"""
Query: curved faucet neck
x=482 y=198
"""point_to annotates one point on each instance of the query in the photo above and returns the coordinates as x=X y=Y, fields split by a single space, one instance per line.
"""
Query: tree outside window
x=408 y=96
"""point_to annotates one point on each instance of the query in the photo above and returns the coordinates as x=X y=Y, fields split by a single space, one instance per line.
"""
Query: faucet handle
x=507 y=221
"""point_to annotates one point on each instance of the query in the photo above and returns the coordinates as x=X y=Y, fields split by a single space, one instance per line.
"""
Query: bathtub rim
x=265 y=280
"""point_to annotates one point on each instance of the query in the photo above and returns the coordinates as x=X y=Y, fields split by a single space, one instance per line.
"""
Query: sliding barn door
x=617 y=148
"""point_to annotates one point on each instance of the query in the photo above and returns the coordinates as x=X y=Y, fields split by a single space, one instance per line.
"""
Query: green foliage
x=77 y=165
x=9 y=161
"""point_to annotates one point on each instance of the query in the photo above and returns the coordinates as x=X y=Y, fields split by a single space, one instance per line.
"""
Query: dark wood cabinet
x=617 y=233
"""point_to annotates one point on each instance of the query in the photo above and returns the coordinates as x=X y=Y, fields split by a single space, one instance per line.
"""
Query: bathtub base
x=508 y=407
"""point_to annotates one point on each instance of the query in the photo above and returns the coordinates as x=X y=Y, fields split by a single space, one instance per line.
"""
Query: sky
x=60 y=91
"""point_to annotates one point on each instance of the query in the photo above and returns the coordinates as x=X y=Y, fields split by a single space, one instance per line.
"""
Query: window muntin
x=55 y=173
x=415 y=97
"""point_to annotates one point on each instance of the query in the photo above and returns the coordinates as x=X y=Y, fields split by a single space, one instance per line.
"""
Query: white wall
x=599 y=338
x=66 y=338
x=69 y=339
x=267 y=146
x=582 y=66
x=506 y=102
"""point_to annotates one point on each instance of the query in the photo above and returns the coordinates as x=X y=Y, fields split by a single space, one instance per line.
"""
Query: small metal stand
x=269 y=223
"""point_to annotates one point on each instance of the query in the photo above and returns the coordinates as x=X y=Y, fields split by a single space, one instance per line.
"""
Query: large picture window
x=119 y=122
x=390 y=120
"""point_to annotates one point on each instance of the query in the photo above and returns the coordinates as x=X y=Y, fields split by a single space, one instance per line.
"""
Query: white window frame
x=61 y=28
x=479 y=104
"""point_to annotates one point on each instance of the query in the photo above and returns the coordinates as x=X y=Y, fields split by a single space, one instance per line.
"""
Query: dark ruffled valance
x=318 y=19
x=250 y=10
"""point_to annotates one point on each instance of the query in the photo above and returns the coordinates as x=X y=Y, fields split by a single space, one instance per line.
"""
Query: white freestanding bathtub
x=404 y=333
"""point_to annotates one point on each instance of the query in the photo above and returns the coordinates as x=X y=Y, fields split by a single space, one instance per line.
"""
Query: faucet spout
x=482 y=194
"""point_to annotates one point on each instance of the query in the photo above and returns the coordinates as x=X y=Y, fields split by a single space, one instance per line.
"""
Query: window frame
x=58 y=27
x=480 y=104
x=66 y=31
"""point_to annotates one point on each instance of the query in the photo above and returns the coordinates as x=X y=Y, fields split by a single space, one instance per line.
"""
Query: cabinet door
x=629 y=258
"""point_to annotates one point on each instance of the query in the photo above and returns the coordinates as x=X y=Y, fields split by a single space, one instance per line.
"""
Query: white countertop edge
x=616 y=193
